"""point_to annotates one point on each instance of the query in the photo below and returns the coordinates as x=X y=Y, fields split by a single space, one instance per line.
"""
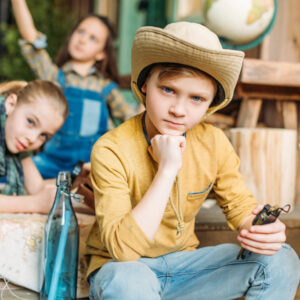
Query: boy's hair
x=171 y=70
x=36 y=90
x=107 y=66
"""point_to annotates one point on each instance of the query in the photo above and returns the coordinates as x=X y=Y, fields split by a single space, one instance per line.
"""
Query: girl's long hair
x=36 y=90
x=107 y=66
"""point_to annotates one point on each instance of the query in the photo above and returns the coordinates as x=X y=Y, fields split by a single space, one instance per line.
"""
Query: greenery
x=51 y=17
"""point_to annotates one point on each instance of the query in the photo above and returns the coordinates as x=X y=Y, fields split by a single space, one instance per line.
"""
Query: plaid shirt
x=44 y=68
x=11 y=171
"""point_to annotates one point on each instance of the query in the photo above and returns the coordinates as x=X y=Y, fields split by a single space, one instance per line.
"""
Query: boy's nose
x=178 y=108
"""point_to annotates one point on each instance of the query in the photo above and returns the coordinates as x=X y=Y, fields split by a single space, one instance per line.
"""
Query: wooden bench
x=211 y=229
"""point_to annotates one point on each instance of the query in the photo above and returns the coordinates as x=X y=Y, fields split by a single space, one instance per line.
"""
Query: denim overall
x=86 y=122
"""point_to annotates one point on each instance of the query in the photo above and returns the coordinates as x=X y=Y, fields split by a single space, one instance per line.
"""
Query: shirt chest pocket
x=194 y=202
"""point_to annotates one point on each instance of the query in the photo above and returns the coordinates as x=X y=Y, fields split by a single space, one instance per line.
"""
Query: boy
x=152 y=174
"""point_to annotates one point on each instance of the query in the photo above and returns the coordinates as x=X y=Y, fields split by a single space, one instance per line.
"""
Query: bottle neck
x=62 y=197
x=64 y=188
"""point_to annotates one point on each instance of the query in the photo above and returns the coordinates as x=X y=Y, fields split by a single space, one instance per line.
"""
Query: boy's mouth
x=174 y=123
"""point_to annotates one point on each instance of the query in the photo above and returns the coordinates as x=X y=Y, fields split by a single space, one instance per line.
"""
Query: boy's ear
x=10 y=103
x=144 y=88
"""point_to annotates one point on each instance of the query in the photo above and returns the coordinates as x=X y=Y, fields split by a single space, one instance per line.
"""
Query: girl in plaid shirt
x=30 y=113
x=86 y=70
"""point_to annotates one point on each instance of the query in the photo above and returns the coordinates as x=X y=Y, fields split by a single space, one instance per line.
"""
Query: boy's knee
x=288 y=262
x=133 y=279
x=284 y=265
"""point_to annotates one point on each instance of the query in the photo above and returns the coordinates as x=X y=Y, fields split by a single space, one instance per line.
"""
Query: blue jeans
x=209 y=273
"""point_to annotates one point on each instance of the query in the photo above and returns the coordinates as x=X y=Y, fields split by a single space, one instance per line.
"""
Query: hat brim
x=155 y=45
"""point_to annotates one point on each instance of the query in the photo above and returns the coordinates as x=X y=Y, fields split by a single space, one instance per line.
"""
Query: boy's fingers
x=270 y=250
x=277 y=226
x=257 y=209
x=278 y=237
x=261 y=246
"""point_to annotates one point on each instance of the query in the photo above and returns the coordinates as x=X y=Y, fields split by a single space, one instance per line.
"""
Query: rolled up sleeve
x=119 y=107
x=38 y=58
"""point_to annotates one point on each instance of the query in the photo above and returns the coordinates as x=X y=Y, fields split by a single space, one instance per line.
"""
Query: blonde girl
x=30 y=114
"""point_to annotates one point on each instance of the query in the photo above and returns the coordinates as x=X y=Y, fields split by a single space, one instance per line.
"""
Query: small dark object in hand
x=76 y=171
x=81 y=184
x=267 y=215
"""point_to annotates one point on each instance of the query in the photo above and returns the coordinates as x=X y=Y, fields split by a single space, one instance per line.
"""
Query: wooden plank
x=268 y=92
x=256 y=71
x=298 y=161
x=272 y=114
x=218 y=118
x=289 y=112
x=283 y=44
x=268 y=162
x=249 y=113
x=284 y=39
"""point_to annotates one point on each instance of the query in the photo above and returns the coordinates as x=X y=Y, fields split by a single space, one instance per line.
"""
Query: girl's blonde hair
x=36 y=90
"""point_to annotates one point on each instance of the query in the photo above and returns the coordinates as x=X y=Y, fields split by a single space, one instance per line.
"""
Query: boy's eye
x=30 y=122
x=166 y=89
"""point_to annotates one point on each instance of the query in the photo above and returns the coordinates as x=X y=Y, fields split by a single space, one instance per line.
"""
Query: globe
x=239 y=22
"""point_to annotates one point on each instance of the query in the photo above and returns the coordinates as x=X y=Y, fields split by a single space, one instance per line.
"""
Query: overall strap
x=61 y=78
x=107 y=89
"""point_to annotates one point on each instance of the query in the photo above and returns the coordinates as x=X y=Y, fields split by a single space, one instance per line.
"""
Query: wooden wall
x=283 y=44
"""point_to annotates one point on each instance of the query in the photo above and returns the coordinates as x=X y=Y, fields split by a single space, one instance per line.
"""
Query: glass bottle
x=61 y=238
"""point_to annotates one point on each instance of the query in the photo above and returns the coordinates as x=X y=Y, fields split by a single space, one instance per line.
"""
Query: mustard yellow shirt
x=122 y=171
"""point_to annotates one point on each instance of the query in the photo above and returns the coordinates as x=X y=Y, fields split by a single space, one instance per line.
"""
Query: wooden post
x=249 y=113
x=268 y=162
x=290 y=118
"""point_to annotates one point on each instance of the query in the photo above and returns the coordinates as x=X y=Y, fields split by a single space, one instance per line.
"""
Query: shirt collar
x=144 y=129
x=68 y=68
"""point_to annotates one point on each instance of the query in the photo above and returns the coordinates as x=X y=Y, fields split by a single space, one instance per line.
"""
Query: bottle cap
x=77 y=198
x=63 y=178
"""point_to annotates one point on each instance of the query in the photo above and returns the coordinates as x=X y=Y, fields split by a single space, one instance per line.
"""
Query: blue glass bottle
x=61 y=238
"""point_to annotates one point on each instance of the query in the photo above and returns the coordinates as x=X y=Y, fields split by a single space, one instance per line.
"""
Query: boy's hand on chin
x=167 y=151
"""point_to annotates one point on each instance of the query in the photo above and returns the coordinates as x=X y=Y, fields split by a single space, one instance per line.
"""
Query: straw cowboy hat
x=189 y=44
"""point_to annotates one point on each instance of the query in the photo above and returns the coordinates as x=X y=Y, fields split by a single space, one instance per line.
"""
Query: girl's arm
x=40 y=193
x=24 y=20
x=119 y=107
x=38 y=203
x=33 y=180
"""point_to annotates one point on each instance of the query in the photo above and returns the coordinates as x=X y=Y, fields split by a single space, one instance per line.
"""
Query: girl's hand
x=263 y=239
x=45 y=198
x=167 y=151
